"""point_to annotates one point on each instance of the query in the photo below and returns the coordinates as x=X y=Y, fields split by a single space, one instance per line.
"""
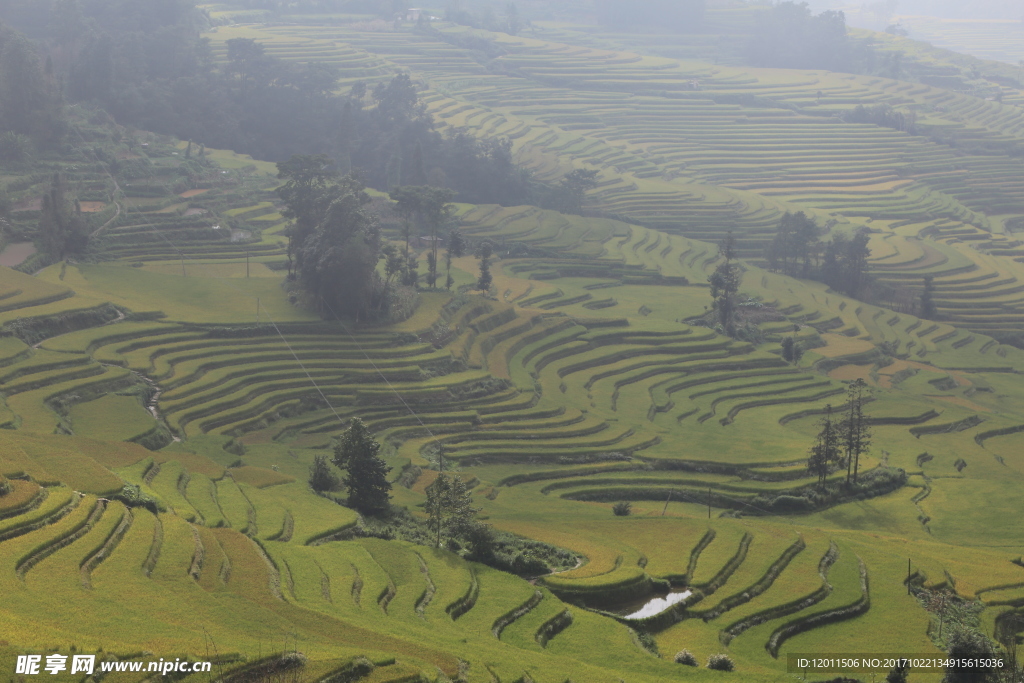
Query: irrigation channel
x=648 y=607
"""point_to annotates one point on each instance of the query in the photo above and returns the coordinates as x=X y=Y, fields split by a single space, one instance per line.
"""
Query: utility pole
x=942 y=614
x=908 y=576
x=182 y=263
x=257 y=311
x=247 y=264
x=440 y=470
x=709 y=502
x=666 y=502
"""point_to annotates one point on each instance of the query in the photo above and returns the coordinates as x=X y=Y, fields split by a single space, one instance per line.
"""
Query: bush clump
x=686 y=658
x=720 y=663
x=321 y=477
x=133 y=497
x=622 y=509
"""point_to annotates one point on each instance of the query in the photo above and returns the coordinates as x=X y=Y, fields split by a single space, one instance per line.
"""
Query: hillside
x=174 y=356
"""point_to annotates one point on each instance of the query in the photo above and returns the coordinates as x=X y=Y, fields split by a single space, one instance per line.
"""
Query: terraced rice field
x=607 y=395
x=575 y=384
x=691 y=160
x=997 y=40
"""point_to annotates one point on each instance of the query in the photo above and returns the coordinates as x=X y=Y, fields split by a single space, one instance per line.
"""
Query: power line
x=377 y=369
x=285 y=341
x=296 y=357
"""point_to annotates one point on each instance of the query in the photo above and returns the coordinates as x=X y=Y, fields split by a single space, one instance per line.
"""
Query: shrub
x=14 y=147
x=321 y=477
x=720 y=663
x=622 y=509
x=525 y=564
x=481 y=539
x=898 y=674
x=686 y=657
x=132 y=496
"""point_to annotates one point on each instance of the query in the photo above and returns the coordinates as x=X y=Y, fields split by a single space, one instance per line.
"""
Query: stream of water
x=657 y=605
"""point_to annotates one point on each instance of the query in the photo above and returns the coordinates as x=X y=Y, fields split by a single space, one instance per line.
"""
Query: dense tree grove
x=61 y=227
x=790 y=36
x=29 y=98
x=144 y=62
x=795 y=248
x=335 y=242
x=797 y=251
x=883 y=115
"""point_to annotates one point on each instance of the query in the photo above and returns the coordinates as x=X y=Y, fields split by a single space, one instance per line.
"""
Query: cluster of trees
x=797 y=251
x=509 y=21
x=449 y=508
x=62 y=229
x=29 y=98
x=842 y=439
x=145 y=63
x=790 y=36
x=335 y=242
x=883 y=115
x=357 y=453
x=451 y=516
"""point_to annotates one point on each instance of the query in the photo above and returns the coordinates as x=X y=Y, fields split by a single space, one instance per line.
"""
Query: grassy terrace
x=574 y=385
x=620 y=401
x=693 y=163
x=617 y=404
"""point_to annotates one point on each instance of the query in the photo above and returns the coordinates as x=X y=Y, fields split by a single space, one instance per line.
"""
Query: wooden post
x=709 y=502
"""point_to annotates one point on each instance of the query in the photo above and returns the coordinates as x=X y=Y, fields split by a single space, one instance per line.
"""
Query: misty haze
x=530 y=341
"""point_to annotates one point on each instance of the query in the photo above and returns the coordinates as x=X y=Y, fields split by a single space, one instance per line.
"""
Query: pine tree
x=486 y=279
x=725 y=283
x=928 y=310
x=437 y=497
x=366 y=472
x=456 y=248
x=825 y=451
x=792 y=351
x=856 y=436
x=449 y=506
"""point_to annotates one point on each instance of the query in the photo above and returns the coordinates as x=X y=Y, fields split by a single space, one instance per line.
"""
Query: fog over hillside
x=867 y=12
